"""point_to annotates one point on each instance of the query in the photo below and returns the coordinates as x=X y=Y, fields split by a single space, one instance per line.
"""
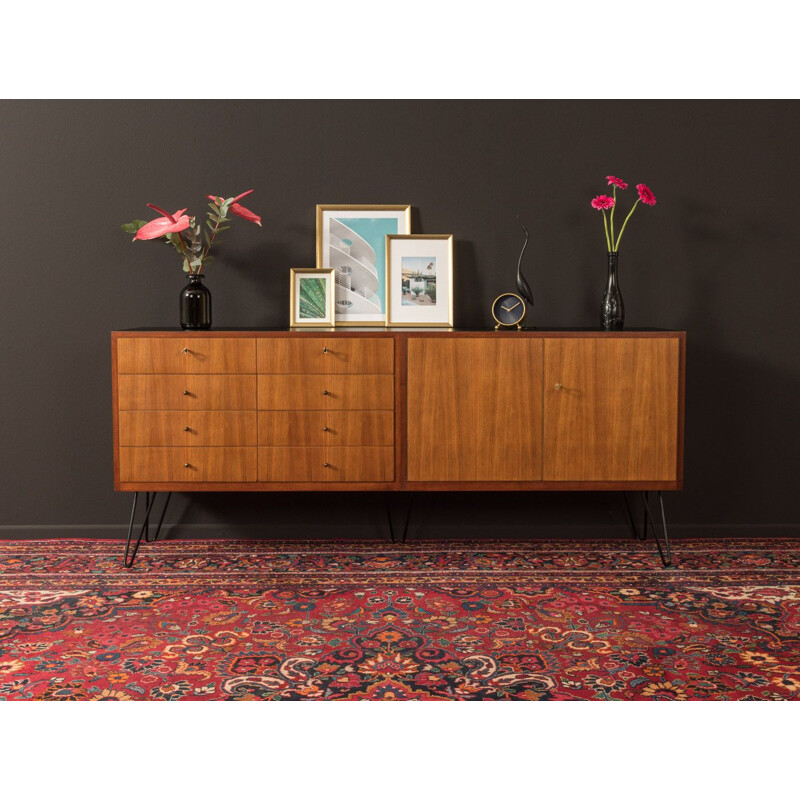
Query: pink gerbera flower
x=645 y=195
x=618 y=182
x=602 y=202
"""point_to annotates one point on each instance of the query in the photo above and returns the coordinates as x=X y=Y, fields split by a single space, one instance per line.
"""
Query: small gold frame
x=446 y=237
x=294 y=322
x=321 y=208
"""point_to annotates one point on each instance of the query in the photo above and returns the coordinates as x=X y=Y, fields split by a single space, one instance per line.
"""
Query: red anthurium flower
x=618 y=182
x=645 y=195
x=240 y=210
x=603 y=201
x=166 y=223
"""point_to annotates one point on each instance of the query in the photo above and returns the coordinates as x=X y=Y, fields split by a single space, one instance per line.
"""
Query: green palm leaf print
x=312 y=298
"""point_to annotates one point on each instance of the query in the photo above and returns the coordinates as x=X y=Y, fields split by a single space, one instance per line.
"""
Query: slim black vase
x=195 y=305
x=612 y=309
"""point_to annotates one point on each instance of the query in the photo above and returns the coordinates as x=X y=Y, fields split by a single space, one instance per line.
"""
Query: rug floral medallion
x=234 y=620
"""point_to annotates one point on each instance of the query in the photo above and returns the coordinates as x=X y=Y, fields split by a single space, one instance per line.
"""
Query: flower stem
x=612 y=212
x=211 y=238
x=616 y=244
x=605 y=225
x=183 y=247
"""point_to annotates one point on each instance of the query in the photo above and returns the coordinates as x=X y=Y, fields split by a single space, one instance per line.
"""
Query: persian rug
x=236 y=620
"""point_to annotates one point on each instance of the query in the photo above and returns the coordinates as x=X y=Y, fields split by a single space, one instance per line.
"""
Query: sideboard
x=397 y=410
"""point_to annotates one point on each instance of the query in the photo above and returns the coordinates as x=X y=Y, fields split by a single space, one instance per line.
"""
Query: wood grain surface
x=474 y=409
x=326 y=355
x=187 y=392
x=325 y=464
x=615 y=417
x=188 y=354
x=169 y=464
x=325 y=428
x=187 y=428
x=325 y=392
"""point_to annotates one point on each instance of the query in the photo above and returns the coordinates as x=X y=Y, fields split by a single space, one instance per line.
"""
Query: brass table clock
x=509 y=310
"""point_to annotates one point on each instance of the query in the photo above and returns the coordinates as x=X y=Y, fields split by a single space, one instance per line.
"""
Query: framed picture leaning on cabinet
x=420 y=279
x=311 y=298
x=351 y=239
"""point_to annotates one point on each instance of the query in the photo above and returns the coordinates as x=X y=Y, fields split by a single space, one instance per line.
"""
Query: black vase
x=612 y=309
x=195 y=305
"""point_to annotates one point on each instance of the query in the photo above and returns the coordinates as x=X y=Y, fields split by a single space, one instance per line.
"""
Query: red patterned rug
x=234 y=620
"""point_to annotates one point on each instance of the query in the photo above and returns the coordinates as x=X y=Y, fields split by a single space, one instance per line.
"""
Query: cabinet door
x=611 y=409
x=474 y=409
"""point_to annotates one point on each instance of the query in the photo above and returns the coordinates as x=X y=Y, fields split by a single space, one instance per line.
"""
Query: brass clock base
x=498 y=326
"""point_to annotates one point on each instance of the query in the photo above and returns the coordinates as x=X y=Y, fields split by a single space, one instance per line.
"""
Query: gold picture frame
x=409 y=309
x=296 y=299
x=358 y=255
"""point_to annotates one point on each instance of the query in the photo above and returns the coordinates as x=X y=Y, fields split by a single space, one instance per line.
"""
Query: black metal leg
x=389 y=517
x=665 y=551
x=637 y=535
x=408 y=517
x=662 y=543
x=144 y=531
x=392 y=536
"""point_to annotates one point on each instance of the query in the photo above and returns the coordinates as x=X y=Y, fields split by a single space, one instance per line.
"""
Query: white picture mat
x=420 y=248
x=402 y=228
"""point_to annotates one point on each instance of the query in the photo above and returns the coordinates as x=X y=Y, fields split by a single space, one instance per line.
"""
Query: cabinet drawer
x=325 y=428
x=326 y=355
x=323 y=392
x=326 y=464
x=187 y=428
x=186 y=392
x=185 y=354
x=179 y=464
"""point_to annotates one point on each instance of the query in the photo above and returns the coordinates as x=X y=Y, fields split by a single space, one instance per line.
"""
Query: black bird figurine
x=522 y=285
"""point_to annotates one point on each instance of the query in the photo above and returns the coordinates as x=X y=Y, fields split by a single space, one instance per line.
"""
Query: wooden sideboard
x=397 y=410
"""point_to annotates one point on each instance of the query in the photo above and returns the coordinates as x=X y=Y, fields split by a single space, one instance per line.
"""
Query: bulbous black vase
x=612 y=309
x=195 y=302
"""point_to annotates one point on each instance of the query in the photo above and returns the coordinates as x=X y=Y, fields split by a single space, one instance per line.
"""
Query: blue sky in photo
x=373 y=231
x=418 y=264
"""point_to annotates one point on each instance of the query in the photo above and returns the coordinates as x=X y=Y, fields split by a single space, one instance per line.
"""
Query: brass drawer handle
x=187 y=465
x=325 y=391
x=326 y=464
x=187 y=393
x=326 y=429
x=188 y=429
x=186 y=350
x=557 y=387
x=324 y=350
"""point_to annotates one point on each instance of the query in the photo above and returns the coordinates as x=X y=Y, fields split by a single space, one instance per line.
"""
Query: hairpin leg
x=392 y=536
x=144 y=531
x=662 y=543
x=641 y=536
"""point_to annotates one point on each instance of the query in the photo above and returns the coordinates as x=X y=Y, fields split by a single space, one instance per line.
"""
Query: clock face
x=509 y=309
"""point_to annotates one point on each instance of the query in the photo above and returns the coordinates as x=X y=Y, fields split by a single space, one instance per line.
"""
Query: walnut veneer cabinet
x=397 y=410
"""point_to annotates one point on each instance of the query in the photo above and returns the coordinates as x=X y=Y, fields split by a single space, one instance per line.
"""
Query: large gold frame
x=331 y=299
x=448 y=237
x=338 y=207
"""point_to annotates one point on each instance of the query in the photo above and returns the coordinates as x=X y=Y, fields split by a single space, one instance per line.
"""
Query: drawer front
x=325 y=428
x=187 y=428
x=325 y=392
x=187 y=392
x=326 y=464
x=185 y=464
x=185 y=355
x=326 y=355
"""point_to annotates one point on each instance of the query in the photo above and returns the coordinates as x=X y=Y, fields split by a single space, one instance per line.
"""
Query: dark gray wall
x=717 y=256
